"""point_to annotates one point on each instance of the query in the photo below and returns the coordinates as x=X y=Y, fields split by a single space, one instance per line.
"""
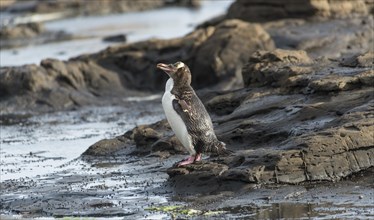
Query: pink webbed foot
x=190 y=160
x=198 y=157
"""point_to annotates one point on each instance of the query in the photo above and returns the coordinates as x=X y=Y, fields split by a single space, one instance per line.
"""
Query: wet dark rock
x=202 y=170
x=294 y=69
x=185 y=3
x=359 y=60
x=208 y=62
x=55 y=85
x=237 y=40
x=120 y=38
x=276 y=68
x=13 y=119
x=284 y=130
x=155 y=137
x=27 y=34
x=21 y=31
x=116 y=146
x=340 y=28
x=298 y=119
x=169 y=144
x=142 y=140
x=267 y=10
x=333 y=38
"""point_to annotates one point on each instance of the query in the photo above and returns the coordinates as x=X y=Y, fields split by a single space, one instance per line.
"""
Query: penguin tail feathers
x=220 y=149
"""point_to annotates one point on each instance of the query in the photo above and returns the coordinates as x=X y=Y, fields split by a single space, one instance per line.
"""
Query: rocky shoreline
x=297 y=120
x=25 y=25
x=291 y=96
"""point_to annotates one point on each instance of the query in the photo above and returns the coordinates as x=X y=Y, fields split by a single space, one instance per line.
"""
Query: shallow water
x=41 y=144
x=161 y=23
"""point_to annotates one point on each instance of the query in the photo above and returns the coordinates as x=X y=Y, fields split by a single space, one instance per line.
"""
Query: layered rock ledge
x=298 y=119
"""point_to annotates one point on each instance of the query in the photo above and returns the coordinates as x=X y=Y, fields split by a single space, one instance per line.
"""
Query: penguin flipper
x=182 y=108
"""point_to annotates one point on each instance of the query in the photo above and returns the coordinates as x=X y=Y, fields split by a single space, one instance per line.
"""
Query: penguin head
x=179 y=72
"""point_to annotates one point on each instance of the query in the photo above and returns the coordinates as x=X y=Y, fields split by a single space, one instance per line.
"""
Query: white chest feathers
x=175 y=121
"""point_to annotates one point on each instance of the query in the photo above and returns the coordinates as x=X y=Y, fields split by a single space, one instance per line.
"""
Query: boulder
x=142 y=140
x=114 y=147
x=276 y=67
x=235 y=39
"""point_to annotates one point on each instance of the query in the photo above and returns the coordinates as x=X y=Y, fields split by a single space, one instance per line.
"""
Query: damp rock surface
x=295 y=121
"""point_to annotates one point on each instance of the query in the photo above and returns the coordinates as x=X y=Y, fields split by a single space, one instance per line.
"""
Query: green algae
x=180 y=210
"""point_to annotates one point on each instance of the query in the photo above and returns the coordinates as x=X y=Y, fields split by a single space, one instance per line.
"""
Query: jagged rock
x=294 y=69
x=203 y=170
x=132 y=66
x=275 y=68
x=236 y=39
x=170 y=144
x=142 y=140
x=359 y=60
x=208 y=62
x=282 y=135
x=333 y=38
x=55 y=85
x=79 y=7
x=258 y=11
x=340 y=28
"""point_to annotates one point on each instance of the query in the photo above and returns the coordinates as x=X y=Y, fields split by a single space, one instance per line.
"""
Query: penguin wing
x=193 y=113
x=182 y=108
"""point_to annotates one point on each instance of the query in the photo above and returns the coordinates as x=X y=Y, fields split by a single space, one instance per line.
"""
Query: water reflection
x=287 y=211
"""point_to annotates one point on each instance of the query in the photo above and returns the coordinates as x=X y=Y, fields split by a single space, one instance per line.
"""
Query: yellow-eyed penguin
x=187 y=115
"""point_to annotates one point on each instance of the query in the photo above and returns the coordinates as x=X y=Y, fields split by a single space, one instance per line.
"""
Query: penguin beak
x=169 y=69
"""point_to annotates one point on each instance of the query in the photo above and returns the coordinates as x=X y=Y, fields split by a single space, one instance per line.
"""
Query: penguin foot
x=197 y=157
x=190 y=160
